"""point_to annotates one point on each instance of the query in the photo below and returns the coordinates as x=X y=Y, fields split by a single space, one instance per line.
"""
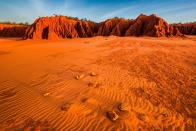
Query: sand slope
x=155 y=76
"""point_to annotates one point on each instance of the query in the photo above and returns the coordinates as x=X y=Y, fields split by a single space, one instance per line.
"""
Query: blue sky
x=97 y=10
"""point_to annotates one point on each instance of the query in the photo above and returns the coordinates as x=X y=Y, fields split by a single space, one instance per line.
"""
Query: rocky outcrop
x=59 y=27
x=142 y=26
x=150 y=26
x=115 y=26
x=12 y=30
x=186 y=29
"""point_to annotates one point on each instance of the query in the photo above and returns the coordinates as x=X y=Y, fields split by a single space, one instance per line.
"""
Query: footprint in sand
x=92 y=74
x=124 y=107
x=66 y=106
x=81 y=76
x=122 y=112
x=46 y=94
x=141 y=116
x=78 y=77
x=94 y=84
x=112 y=115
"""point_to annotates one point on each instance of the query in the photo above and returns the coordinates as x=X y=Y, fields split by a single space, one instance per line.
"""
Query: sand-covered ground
x=153 y=78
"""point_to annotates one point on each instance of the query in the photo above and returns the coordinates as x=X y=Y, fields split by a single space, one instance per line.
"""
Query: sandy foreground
x=73 y=84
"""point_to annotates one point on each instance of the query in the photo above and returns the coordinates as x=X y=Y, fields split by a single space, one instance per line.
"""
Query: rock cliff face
x=10 y=30
x=60 y=27
x=115 y=26
x=186 y=29
x=150 y=26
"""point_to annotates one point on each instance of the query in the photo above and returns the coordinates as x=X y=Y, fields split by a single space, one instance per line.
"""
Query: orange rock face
x=60 y=27
x=115 y=26
x=149 y=26
x=11 y=30
x=186 y=29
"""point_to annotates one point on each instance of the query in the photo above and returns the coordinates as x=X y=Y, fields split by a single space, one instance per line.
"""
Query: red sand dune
x=187 y=29
x=58 y=27
x=12 y=30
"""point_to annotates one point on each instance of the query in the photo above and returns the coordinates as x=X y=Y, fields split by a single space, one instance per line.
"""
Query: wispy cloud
x=28 y=10
x=38 y=6
x=118 y=12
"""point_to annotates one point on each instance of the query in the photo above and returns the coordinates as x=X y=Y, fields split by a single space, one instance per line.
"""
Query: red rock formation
x=150 y=26
x=59 y=27
x=186 y=29
x=11 y=30
x=63 y=27
x=115 y=26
